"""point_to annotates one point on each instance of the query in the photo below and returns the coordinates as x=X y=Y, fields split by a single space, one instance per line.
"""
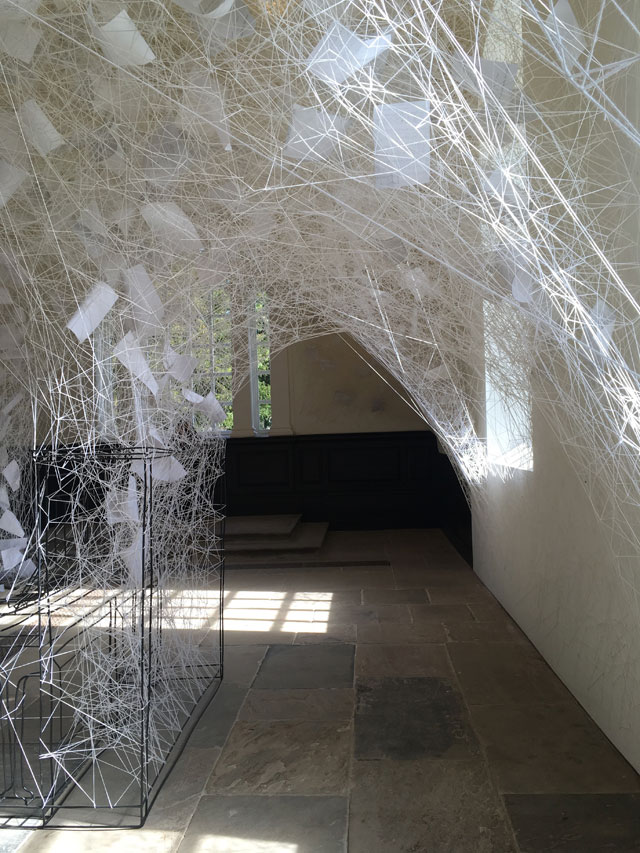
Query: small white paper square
x=313 y=134
x=402 y=146
x=341 y=53
x=97 y=304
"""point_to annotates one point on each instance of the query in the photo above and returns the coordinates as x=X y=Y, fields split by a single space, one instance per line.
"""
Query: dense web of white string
x=448 y=182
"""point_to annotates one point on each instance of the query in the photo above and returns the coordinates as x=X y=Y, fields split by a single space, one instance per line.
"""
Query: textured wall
x=332 y=390
x=542 y=551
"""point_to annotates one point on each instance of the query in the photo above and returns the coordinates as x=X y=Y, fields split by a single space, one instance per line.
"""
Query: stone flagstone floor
x=384 y=708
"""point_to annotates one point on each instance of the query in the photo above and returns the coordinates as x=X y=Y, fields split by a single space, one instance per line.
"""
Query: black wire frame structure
x=106 y=663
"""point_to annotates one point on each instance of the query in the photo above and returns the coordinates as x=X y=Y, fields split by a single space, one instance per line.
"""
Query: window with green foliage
x=209 y=341
x=260 y=365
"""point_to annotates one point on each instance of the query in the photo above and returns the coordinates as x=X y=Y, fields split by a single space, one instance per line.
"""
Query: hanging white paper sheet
x=180 y=367
x=11 y=557
x=4 y=498
x=166 y=469
x=207 y=405
x=27 y=569
x=121 y=505
x=10 y=524
x=402 y=147
x=202 y=109
x=154 y=439
x=128 y=352
x=147 y=309
x=215 y=9
x=341 y=53
x=132 y=558
x=565 y=34
x=11 y=178
x=12 y=475
x=97 y=304
x=13 y=543
x=12 y=142
x=478 y=75
x=168 y=156
x=14 y=10
x=13 y=402
x=38 y=129
x=313 y=134
x=217 y=30
x=121 y=41
x=172 y=228
x=19 y=39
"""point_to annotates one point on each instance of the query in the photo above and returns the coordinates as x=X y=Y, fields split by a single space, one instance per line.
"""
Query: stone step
x=252 y=526
x=306 y=536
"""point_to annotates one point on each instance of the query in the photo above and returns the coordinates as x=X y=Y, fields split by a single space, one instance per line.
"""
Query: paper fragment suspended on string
x=132 y=558
x=121 y=42
x=10 y=524
x=313 y=134
x=207 y=405
x=14 y=10
x=121 y=505
x=11 y=557
x=146 y=306
x=38 y=129
x=202 y=109
x=217 y=30
x=172 y=228
x=11 y=178
x=341 y=53
x=128 y=353
x=13 y=543
x=180 y=367
x=19 y=40
x=166 y=469
x=401 y=141
x=12 y=475
x=97 y=304
x=479 y=75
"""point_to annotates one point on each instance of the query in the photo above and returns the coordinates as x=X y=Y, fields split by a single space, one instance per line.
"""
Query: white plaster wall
x=541 y=550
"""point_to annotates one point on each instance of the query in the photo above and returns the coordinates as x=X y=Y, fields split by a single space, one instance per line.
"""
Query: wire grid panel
x=112 y=646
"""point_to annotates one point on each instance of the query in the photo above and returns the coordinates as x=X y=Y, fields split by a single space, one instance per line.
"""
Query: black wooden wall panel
x=355 y=481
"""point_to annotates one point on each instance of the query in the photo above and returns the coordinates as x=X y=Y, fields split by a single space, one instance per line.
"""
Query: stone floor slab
x=248 y=824
x=241 y=663
x=575 y=823
x=484 y=632
x=426 y=807
x=379 y=661
x=504 y=674
x=394 y=596
x=549 y=749
x=337 y=704
x=331 y=633
x=409 y=718
x=442 y=614
x=402 y=634
x=307 y=666
x=292 y=757
x=214 y=725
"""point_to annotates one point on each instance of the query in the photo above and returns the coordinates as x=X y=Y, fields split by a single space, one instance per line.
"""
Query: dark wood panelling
x=357 y=481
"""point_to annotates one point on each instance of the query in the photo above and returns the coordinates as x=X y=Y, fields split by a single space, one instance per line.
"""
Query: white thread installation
x=451 y=184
